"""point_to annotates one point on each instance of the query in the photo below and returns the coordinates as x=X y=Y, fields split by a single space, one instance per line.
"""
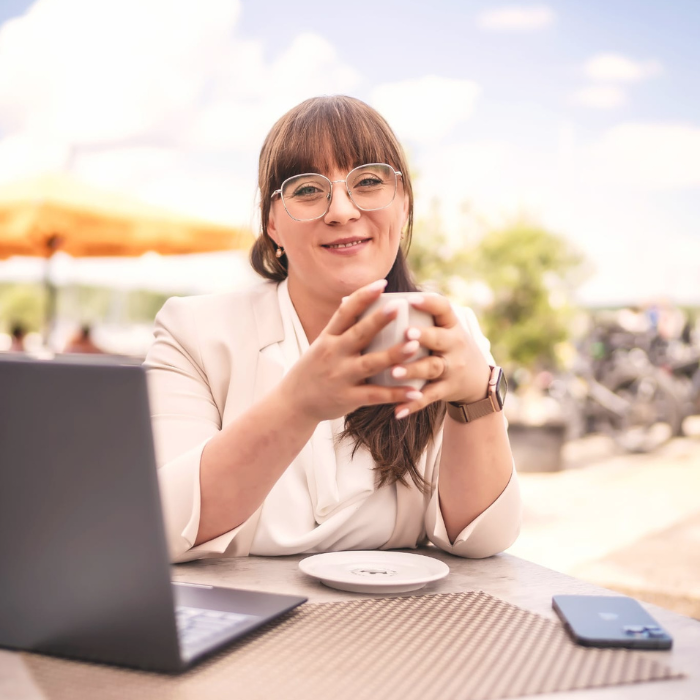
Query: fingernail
x=391 y=307
x=376 y=286
x=399 y=372
x=402 y=413
x=413 y=334
x=414 y=395
x=344 y=299
x=411 y=347
x=414 y=301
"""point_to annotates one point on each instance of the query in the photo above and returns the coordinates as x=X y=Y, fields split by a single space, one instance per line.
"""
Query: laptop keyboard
x=198 y=627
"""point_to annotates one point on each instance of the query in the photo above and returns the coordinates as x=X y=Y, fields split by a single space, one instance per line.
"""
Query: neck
x=314 y=312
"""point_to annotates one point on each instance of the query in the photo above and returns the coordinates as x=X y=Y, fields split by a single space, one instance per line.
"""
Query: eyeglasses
x=308 y=197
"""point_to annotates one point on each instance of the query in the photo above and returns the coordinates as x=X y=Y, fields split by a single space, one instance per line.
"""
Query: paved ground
x=627 y=522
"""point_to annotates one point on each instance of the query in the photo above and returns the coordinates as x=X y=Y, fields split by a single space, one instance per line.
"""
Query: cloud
x=426 y=109
x=515 y=18
x=607 y=70
x=157 y=93
x=599 y=97
x=252 y=94
x=649 y=156
x=605 y=194
x=614 y=67
x=139 y=63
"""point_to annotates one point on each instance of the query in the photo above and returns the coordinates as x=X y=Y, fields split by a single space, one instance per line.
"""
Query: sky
x=583 y=116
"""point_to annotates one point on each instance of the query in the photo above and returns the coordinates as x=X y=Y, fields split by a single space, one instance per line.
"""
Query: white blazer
x=208 y=365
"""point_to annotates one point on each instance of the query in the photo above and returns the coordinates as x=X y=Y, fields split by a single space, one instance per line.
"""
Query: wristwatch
x=495 y=398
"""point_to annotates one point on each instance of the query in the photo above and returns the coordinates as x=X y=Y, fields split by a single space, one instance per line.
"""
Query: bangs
x=331 y=133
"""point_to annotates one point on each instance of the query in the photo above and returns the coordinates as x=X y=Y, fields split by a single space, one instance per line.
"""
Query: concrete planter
x=537 y=448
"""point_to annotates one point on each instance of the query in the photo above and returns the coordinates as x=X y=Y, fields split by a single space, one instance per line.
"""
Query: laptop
x=84 y=570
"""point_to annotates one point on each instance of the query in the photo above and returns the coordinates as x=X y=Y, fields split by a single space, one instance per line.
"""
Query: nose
x=342 y=209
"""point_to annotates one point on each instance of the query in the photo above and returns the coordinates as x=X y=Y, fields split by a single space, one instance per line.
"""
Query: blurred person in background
x=18 y=334
x=82 y=342
x=269 y=439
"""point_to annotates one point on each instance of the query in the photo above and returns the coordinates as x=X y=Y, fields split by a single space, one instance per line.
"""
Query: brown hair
x=344 y=132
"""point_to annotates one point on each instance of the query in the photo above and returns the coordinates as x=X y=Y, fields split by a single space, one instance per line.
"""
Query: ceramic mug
x=395 y=332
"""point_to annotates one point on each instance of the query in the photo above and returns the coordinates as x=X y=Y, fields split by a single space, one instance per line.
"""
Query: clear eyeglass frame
x=329 y=197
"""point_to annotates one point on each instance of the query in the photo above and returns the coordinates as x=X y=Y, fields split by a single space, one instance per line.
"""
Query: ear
x=272 y=228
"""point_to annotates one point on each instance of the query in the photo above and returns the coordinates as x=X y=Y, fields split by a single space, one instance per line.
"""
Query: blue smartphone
x=610 y=621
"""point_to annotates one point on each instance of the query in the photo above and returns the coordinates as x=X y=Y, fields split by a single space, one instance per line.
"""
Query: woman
x=269 y=440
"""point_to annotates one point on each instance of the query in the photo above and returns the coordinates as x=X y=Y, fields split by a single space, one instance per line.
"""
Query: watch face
x=501 y=389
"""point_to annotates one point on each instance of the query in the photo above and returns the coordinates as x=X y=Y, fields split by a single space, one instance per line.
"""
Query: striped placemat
x=466 y=646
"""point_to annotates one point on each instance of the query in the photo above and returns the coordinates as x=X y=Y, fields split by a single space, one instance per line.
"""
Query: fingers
x=429 y=368
x=375 y=362
x=361 y=334
x=374 y=395
x=435 y=339
x=438 y=306
x=353 y=305
x=434 y=391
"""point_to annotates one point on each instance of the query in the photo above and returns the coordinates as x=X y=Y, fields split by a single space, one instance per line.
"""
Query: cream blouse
x=327 y=499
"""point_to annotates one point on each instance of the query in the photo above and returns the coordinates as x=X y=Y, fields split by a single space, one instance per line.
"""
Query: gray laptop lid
x=79 y=576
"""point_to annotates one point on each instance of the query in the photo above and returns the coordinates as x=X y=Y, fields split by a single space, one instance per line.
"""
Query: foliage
x=435 y=264
x=22 y=303
x=26 y=304
x=530 y=274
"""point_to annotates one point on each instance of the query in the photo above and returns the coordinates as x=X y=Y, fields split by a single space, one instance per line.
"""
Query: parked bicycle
x=615 y=389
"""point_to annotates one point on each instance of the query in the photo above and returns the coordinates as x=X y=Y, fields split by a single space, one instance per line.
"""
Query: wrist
x=468 y=411
x=475 y=389
x=290 y=406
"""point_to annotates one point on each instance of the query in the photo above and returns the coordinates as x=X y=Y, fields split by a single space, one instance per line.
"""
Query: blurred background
x=555 y=150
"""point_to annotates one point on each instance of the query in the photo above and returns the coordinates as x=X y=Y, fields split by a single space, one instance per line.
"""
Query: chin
x=351 y=283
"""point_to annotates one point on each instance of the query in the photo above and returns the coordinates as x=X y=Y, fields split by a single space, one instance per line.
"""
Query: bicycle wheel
x=654 y=415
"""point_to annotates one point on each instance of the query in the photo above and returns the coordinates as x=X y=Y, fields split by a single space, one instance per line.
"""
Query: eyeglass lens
x=370 y=186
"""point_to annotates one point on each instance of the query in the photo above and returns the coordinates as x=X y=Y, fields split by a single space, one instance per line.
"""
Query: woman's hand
x=328 y=381
x=456 y=369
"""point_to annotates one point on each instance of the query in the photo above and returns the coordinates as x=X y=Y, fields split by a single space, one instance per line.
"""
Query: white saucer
x=374 y=571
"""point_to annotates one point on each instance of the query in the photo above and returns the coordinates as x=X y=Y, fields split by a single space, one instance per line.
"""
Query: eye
x=369 y=181
x=308 y=190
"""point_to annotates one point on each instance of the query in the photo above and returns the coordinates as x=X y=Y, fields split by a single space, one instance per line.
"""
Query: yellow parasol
x=55 y=212
x=42 y=215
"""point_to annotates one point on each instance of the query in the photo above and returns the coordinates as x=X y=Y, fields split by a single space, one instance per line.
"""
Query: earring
x=279 y=253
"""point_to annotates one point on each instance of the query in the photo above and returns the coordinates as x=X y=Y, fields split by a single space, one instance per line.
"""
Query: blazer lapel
x=268 y=373
x=268 y=321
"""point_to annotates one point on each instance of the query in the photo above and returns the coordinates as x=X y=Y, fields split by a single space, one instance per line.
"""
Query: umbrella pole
x=50 y=296
x=50 y=290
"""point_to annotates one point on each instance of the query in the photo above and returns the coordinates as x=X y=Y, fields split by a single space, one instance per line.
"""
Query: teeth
x=345 y=245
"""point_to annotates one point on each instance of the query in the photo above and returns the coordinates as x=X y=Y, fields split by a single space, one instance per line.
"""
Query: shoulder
x=206 y=318
x=204 y=305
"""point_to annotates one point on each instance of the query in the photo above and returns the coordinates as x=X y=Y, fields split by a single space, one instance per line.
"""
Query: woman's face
x=319 y=260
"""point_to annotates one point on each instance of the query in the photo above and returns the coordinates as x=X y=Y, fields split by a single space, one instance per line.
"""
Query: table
x=515 y=580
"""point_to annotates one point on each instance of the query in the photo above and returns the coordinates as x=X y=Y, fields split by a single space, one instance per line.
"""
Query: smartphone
x=610 y=621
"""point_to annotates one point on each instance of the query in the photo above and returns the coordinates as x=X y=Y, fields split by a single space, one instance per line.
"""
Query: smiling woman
x=269 y=438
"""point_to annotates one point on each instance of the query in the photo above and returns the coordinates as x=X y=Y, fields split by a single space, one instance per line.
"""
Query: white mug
x=395 y=332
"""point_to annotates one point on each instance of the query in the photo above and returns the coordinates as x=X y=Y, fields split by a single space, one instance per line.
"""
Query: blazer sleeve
x=184 y=417
x=496 y=528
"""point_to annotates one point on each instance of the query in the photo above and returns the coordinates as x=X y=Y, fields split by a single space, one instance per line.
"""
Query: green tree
x=531 y=274
x=436 y=264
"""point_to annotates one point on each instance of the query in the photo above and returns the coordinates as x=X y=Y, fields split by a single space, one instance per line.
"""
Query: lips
x=345 y=243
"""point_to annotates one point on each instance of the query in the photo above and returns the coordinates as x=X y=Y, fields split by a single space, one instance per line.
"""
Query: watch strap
x=467 y=412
